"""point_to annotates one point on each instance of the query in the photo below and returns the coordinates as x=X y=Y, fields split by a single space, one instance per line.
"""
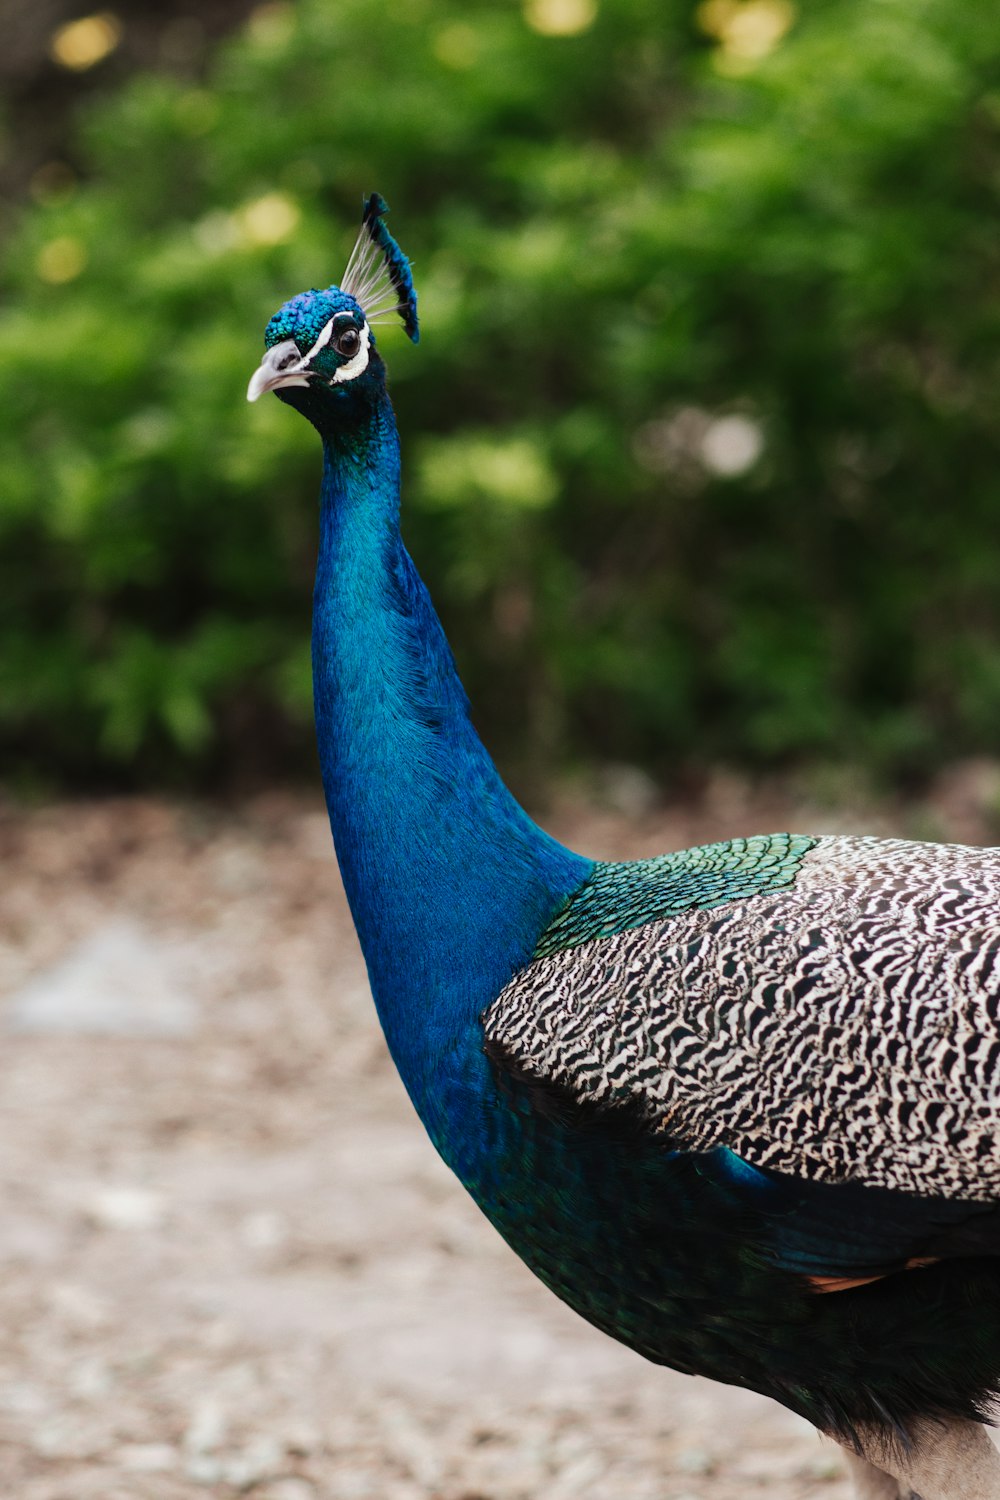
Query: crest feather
x=378 y=273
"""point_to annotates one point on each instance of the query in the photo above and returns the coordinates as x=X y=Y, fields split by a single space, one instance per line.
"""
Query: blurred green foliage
x=701 y=439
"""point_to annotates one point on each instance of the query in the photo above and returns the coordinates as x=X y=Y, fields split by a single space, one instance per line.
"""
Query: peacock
x=739 y=1105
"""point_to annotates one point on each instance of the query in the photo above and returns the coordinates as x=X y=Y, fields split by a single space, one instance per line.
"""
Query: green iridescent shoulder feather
x=617 y=897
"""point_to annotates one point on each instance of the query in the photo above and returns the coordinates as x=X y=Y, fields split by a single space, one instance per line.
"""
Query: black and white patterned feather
x=844 y=1030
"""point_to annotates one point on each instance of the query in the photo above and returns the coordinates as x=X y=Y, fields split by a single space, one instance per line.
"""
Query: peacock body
x=738 y=1106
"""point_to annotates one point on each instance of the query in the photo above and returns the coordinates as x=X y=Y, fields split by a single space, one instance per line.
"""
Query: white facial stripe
x=355 y=366
x=359 y=363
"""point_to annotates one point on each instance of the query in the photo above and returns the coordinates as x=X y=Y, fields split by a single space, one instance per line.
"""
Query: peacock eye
x=348 y=343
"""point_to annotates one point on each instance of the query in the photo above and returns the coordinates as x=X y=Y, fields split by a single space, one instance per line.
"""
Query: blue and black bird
x=739 y=1106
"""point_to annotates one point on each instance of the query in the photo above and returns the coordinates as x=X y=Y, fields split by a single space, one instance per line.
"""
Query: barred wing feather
x=846 y=1029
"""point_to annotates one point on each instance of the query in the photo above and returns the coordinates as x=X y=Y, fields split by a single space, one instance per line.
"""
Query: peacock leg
x=952 y=1460
x=871 y=1483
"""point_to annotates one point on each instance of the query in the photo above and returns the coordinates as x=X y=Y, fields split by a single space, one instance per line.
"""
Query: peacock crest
x=378 y=273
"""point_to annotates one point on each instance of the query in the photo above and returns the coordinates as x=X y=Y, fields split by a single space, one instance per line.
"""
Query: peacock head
x=320 y=345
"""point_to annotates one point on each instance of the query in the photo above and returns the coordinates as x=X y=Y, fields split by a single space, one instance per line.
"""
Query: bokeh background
x=701 y=439
x=702 y=468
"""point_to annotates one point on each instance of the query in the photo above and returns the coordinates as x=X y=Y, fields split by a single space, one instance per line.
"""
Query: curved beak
x=280 y=366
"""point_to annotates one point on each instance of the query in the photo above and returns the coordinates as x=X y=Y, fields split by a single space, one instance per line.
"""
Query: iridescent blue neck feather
x=450 y=882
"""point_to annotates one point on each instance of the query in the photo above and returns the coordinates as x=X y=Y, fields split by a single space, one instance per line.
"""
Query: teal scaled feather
x=697 y=1258
x=617 y=897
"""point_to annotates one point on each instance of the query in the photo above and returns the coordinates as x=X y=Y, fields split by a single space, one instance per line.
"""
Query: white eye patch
x=358 y=363
x=354 y=367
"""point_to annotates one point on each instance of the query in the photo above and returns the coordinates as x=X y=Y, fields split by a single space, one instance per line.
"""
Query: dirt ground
x=231 y=1263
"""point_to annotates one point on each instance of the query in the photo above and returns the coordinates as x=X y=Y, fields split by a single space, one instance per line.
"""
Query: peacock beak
x=280 y=366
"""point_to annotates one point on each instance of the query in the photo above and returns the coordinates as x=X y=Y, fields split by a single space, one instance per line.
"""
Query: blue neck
x=450 y=882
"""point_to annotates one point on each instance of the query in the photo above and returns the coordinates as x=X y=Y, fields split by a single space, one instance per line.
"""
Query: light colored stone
x=694 y=1461
x=258 y=1461
x=203 y=1468
x=91 y=1380
x=147 y=1458
x=207 y=1428
x=123 y=1206
x=264 y=1230
x=290 y=1488
x=119 y=981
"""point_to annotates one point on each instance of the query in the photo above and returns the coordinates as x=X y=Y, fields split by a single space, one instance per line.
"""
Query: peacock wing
x=836 y=1025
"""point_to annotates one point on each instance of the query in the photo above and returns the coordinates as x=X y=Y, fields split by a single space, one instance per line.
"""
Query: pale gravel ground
x=230 y=1263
